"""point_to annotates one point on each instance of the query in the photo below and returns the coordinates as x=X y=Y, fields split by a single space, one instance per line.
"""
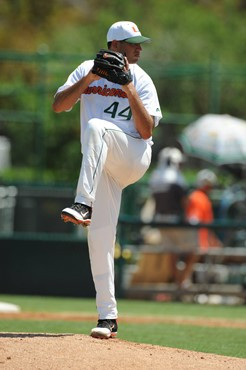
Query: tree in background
x=189 y=36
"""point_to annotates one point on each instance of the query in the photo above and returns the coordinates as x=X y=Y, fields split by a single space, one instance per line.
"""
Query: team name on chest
x=105 y=91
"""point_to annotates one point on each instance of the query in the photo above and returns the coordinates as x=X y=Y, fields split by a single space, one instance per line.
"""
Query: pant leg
x=93 y=161
x=101 y=242
x=128 y=158
x=105 y=146
x=111 y=161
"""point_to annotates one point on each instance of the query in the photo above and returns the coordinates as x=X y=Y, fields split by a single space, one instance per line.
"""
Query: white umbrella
x=220 y=139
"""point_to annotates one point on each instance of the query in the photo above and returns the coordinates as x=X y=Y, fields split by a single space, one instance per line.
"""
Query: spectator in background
x=199 y=210
x=169 y=192
x=168 y=186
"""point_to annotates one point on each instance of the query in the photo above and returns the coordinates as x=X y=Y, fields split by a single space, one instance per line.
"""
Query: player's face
x=132 y=51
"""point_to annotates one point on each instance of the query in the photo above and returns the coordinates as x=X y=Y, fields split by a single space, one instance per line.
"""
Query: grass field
x=219 y=339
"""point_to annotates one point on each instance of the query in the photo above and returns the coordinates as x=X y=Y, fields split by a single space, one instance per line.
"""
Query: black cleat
x=105 y=329
x=78 y=213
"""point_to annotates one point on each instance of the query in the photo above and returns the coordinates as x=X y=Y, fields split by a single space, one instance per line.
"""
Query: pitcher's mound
x=80 y=352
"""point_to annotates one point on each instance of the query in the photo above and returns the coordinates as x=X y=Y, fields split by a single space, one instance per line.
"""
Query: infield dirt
x=81 y=352
x=42 y=351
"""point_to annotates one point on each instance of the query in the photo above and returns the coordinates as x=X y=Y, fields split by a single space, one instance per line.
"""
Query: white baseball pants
x=111 y=161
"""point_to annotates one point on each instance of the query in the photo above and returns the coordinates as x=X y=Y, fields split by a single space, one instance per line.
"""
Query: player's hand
x=93 y=76
x=126 y=68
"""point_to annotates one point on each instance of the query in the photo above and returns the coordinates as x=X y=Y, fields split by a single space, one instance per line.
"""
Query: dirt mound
x=69 y=351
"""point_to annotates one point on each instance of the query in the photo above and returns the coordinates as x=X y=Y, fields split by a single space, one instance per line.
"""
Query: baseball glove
x=111 y=65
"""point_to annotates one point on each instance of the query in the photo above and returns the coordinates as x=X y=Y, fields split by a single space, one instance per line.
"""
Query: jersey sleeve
x=76 y=75
x=150 y=100
x=148 y=94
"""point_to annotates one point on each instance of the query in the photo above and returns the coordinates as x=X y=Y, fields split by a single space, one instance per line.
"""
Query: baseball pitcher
x=119 y=110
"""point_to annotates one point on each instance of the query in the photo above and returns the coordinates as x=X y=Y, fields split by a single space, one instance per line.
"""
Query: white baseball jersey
x=106 y=100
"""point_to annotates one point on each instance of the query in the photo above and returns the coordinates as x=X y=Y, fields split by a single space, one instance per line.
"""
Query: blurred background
x=197 y=62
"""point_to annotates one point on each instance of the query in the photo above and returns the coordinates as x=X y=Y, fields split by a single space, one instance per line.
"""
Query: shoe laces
x=80 y=207
x=106 y=323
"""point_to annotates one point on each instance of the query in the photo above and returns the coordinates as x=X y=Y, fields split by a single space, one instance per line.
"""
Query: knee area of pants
x=93 y=124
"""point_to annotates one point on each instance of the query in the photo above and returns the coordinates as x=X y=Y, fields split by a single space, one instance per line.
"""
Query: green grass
x=218 y=340
x=126 y=307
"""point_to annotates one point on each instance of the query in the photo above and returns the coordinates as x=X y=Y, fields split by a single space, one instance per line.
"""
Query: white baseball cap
x=206 y=177
x=126 y=31
x=173 y=154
